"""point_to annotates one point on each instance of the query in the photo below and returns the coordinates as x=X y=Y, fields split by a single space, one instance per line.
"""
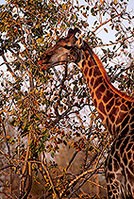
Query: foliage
x=47 y=116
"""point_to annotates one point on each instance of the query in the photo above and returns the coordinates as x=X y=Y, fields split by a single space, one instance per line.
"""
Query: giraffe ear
x=72 y=32
x=79 y=42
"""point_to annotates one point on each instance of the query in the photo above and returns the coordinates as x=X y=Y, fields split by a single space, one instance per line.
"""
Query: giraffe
x=115 y=108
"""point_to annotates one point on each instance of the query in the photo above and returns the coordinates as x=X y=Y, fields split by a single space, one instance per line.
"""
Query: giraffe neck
x=112 y=105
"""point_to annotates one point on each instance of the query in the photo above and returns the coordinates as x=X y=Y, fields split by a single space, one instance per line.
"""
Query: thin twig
x=114 y=43
x=105 y=22
x=121 y=71
x=27 y=154
x=75 y=181
x=6 y=167
x=50 y=180
x=5 y=136
x=70 y=162
x=93 y=172
x=7 y=194
x=8 y=67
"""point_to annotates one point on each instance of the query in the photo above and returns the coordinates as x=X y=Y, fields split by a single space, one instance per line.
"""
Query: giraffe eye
x=67 y=47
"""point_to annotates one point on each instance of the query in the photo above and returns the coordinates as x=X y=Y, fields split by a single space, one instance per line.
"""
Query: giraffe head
x=66 y=50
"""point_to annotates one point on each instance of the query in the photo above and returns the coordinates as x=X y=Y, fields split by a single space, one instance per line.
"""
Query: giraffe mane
x=105 y=76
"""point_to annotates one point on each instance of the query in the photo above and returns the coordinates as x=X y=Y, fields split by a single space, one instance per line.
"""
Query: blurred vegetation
x=52 y=143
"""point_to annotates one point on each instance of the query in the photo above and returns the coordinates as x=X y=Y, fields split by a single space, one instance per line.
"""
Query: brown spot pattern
x=97 y=82
x=85 y=71
x=110 y=105
x=101 y=108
